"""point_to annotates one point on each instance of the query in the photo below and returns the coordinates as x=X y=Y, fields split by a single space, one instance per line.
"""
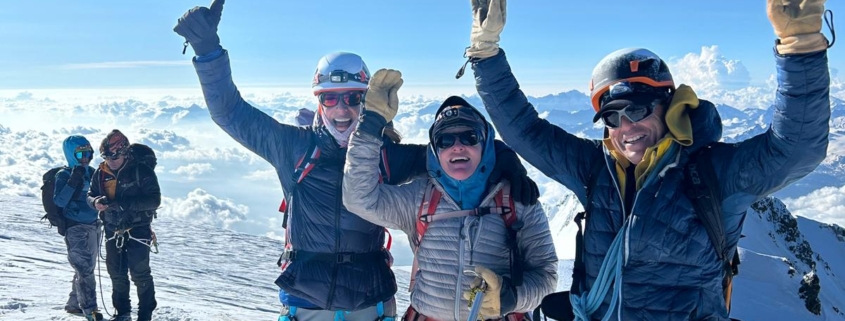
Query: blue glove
x=199 y=27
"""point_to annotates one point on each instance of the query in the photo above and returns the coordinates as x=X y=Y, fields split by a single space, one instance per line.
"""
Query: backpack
x=505 y=207
x=143 y=154
x=702 y=189
x=53 y=213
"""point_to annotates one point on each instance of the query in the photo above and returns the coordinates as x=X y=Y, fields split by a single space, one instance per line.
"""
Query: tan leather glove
x=488 y=20
x=798 y=24
x=491 y=305
x=382 y=91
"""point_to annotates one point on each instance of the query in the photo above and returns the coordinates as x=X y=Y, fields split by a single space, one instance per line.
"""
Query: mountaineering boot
x=125 y=317
x=75 y=311
x=94 y=316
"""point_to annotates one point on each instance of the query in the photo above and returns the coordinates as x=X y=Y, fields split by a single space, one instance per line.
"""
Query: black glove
x=76 y=176
x=509 y=167
x=199 y=27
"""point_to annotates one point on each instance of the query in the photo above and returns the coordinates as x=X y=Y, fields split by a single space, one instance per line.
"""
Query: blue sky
x=552 y=45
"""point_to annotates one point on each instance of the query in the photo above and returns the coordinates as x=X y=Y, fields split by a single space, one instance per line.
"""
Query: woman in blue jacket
x=82 y=235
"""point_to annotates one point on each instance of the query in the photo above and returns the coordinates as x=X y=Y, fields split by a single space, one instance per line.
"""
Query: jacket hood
x=69 y=147
x=468 y=193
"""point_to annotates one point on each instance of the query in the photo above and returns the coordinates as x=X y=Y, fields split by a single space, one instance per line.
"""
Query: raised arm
x=797 y=139
x=390 y=206
x=249 y=126
x=560 y=155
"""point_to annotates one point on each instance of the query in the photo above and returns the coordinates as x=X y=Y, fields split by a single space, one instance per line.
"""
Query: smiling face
x=341 y=108
x=631 y=139
x=458 y=156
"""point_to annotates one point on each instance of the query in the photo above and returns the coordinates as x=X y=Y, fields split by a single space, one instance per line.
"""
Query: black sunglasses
x=467 y=138
x=635 y=113
x=351 y=99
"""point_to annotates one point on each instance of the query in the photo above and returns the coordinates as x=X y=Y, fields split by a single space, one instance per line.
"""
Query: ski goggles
x=332 y=99
x=467 y=138
x=83 y=154
x=625 y=89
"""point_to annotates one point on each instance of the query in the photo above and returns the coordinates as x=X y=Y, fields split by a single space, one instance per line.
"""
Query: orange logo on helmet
x=635 y=65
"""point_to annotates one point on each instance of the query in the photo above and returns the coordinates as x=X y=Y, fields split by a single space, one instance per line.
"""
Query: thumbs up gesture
x=199 y=27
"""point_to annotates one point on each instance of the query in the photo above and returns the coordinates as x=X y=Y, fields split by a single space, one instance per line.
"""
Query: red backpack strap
x=384 y=167
x=505 y=202
x=509 y=215
x=428 y=206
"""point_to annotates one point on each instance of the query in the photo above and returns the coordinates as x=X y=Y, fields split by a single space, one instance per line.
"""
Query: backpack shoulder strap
x=384 y=167
x=702 y=188
x=579 y=273
x=306 y=162
x=303 y=167
x=428 y=206
x=703 y=191
x=505 y=202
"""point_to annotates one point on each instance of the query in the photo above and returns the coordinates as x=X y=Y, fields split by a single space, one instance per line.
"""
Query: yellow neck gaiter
x=679 y=131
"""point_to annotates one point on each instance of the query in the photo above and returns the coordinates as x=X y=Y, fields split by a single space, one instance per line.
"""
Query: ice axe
x=478 y=293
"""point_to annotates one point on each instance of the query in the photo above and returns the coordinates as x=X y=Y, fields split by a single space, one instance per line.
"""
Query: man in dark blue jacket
x=335 y=265
x=82 y=235
x=659 y=263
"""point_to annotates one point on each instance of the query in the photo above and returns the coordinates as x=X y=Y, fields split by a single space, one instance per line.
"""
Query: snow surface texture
x=208 y=273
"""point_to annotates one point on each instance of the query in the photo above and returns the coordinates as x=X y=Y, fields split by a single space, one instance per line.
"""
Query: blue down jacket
x=672 y=271
x=318 y=221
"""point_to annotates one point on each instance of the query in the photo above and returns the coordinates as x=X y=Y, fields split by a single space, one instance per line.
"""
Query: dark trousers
x=132 y=258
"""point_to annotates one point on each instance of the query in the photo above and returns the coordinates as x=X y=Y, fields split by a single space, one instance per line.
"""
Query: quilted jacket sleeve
x=249 y=126
x=390 y=206
x=560 y=155
x=540 y=259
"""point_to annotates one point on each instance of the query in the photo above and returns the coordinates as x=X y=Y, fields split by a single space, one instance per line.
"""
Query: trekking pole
x=478 y=293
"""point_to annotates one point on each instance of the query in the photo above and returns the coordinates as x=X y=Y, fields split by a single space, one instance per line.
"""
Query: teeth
x=340 y=120
x=634 y=139
x=457 y=159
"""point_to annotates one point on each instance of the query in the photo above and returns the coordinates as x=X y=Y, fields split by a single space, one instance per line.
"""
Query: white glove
x=488 y=20
x=798 y=24
x=382 y=92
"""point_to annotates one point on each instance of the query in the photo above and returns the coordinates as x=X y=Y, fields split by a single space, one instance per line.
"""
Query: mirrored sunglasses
x=332 y=99
x=83 y=154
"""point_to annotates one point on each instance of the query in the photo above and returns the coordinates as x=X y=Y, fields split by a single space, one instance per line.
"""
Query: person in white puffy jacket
x=462 y=218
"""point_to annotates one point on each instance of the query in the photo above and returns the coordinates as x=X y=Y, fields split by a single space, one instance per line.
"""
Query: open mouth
x=342 y=122
x=634 y=139
x=459 y=160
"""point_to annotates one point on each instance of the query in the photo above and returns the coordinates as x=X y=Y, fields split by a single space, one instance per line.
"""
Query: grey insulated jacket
x=672 y=271
x=450 y=245
x=318 y=221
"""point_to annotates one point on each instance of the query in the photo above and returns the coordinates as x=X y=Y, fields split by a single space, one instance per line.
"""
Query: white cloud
x=263 y=175
x=709 y=70
x=825 y=205
x=127 y=64
x=193 y=170
x=200 y=207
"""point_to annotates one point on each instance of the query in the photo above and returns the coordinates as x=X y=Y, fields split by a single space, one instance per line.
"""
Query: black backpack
x=53 y=213
x=143 y=154
x=701 y=188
